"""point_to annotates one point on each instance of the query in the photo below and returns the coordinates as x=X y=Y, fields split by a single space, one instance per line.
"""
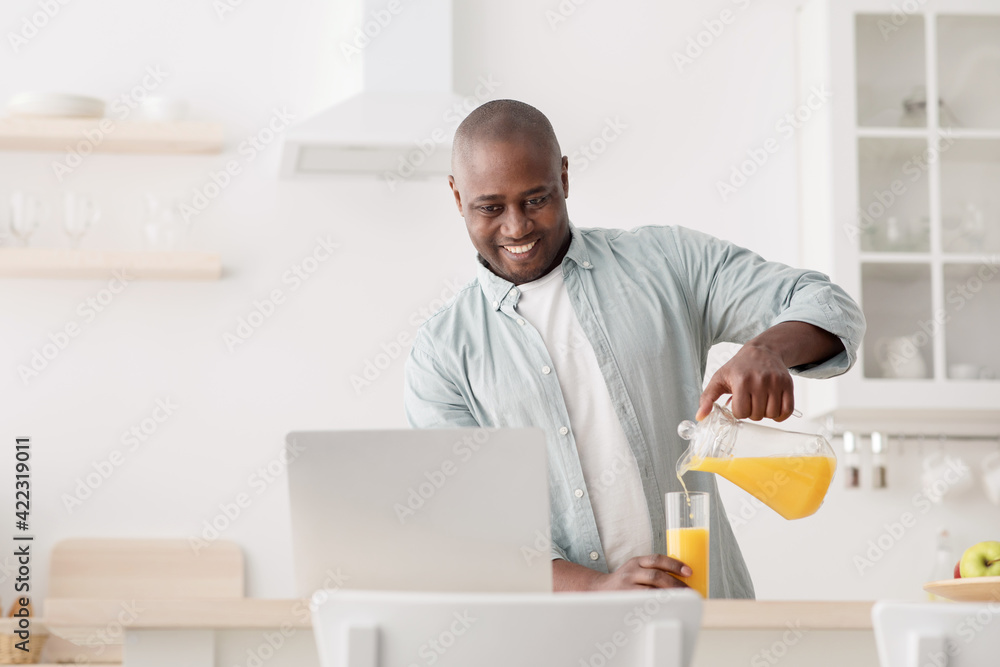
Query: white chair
x=937 y=634
x=356 y=628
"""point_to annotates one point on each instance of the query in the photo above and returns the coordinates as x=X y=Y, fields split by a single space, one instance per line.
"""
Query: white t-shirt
x=609 y=467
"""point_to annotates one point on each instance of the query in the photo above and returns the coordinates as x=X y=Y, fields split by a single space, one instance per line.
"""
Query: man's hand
x=757 y=376
x=641 y=572
x=759 y=382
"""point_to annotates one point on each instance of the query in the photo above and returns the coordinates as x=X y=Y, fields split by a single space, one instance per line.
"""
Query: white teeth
x=518 y=249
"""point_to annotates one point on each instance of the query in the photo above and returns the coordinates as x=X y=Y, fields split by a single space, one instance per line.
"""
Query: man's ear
x=565 y=176
x=458 y=195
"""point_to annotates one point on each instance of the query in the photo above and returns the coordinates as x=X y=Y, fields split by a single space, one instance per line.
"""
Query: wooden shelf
x=147 y=265
x=105 y=135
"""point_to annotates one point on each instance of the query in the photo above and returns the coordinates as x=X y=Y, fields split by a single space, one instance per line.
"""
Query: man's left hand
x=760 y=385
x=757 y=376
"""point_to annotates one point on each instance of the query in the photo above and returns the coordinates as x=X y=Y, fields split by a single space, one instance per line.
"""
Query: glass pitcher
x=789 y=472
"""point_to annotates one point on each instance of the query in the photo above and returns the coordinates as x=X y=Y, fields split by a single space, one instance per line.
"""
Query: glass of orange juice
x=687 y=535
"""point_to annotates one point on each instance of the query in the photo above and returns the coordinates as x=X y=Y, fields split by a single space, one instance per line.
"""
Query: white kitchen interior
x=800 y=129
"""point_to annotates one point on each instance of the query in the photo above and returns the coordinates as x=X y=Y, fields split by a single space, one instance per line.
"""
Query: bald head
x=503 y=121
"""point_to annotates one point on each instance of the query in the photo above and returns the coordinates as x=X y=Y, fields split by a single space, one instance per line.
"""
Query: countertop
x=62 y=616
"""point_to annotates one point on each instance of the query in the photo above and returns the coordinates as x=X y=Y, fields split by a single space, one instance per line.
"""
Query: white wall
x=399 y=252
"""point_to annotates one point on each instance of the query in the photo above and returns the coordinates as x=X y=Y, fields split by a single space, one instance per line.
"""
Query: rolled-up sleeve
x=742 y=295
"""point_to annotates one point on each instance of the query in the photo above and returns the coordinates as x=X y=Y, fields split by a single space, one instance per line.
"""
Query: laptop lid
x=420 y=510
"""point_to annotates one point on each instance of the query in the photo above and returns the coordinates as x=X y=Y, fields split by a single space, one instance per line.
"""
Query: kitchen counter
x=733 y=631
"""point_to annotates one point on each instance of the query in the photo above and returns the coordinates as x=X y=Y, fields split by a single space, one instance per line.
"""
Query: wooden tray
x=970 y=589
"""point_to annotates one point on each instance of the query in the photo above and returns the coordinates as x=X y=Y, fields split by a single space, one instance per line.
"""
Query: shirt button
x=496 y=304
x=586 y=265
x=520 y=321
x=546 y=370
x=594 y=555
x=513 y=291
x=563 y=430
x=578 y=493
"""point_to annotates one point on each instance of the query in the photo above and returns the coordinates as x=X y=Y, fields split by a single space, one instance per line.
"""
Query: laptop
x=444 y=510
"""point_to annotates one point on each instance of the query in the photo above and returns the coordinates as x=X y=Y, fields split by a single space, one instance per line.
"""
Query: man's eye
x=537 y=201
x=489 y=209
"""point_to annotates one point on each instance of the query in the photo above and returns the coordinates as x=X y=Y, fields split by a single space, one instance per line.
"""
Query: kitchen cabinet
x=899 y=203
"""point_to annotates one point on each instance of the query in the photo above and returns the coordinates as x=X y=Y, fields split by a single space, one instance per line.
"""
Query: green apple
x=981 y=560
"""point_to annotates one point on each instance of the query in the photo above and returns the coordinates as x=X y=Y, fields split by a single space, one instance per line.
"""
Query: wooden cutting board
x=145 y=568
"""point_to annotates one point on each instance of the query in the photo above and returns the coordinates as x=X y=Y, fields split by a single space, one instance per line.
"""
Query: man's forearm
x=798 y=343
x=567 y=576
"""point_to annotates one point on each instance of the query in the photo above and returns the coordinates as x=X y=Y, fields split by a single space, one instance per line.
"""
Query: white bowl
x=55 y=104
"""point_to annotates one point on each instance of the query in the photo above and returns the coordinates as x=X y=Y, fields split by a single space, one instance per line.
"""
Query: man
x=600 y=338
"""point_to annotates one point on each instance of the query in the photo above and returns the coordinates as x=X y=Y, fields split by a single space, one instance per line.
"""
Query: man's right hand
x=641 y=572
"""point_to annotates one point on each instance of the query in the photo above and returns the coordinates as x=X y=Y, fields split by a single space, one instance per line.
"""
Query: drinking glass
x=79 y=213
x=687 y=535
x=26 y=212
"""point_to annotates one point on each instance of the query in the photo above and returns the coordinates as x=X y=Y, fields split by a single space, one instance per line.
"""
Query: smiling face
x=512 y=194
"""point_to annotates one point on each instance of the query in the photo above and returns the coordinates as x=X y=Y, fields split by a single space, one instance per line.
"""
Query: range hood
x=401 y=123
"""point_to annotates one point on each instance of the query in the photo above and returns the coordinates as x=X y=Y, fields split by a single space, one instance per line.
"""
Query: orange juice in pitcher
x=787 y=471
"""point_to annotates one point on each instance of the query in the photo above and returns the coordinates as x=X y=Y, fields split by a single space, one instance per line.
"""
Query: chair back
x=355 y=628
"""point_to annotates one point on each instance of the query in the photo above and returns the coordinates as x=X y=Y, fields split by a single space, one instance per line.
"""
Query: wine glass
x=79 y=213
x=26 y=212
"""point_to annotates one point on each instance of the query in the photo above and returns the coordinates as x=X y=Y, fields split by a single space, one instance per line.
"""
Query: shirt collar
x=496 y=289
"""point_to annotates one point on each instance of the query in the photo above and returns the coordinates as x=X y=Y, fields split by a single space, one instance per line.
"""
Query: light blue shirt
x=651 y=301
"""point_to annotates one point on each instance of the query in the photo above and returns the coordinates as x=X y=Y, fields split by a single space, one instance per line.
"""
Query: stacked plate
x=55 y=104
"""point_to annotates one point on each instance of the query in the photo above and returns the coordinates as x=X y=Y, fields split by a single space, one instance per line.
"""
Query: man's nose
x=516 y=224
